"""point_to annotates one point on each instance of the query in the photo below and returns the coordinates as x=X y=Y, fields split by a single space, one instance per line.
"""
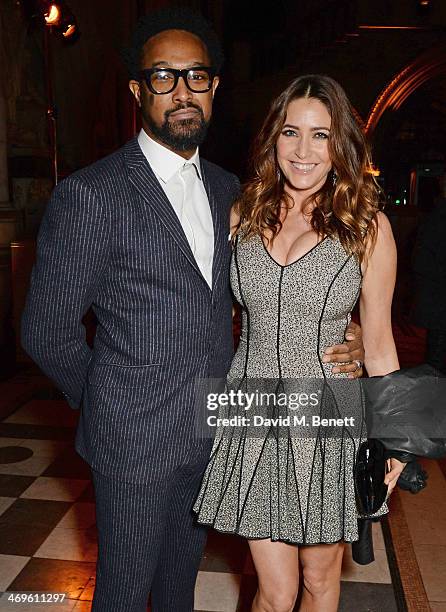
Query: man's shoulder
x=104 y=173
x=218 y=174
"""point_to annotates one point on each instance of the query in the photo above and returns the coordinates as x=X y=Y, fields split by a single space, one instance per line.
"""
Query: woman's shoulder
x=382 y=221
x=381 y=226
x=382 y=249
x=384 y=232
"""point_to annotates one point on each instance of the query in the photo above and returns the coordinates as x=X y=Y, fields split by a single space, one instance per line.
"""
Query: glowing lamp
x=69 y=30
x=423 y=7
x=53 y=15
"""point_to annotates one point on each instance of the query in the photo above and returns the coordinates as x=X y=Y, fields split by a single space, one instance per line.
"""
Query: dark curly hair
x=171 y=18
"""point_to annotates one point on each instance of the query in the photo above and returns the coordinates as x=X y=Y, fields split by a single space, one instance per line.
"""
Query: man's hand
x=350 y=353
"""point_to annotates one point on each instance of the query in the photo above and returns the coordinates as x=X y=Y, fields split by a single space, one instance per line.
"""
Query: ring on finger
x=359 y=363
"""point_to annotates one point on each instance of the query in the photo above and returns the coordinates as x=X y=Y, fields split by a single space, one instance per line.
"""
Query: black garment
x=436 y=349
x=429 y=266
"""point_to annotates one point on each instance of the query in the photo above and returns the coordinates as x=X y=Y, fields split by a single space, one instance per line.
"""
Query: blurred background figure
x=429 y=266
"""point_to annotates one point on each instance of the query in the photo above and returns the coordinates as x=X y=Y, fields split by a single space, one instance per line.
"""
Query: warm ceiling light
x=392 y=27
x=53 y=15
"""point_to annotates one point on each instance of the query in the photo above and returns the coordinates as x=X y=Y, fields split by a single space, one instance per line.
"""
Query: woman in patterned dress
x=309 y=239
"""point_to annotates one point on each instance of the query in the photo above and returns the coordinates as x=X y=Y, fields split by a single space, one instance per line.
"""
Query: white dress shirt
x=182 y=183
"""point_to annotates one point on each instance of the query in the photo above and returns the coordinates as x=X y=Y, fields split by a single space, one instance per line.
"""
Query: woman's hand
x=395 y=467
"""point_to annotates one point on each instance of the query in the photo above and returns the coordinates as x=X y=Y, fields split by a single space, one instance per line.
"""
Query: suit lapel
x=220 y=223
x=144 y=180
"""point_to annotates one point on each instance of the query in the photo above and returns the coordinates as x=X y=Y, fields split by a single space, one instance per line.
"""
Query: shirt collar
x=165 y=163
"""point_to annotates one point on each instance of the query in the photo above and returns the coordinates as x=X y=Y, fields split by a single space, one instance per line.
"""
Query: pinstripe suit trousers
x=148 y=540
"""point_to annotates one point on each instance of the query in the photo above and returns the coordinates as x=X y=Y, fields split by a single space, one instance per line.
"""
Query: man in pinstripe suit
x=142 y=237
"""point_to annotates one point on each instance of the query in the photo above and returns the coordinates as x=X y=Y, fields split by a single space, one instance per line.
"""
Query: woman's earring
x=334 y=178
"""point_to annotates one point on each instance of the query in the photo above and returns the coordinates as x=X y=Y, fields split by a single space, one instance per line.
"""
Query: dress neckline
x=296 y=260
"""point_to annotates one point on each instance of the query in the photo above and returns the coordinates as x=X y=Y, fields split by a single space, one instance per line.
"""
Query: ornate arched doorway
x=407 y=128
x=426 y=67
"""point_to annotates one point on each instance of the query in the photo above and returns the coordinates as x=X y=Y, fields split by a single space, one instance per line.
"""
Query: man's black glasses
x=164 y=80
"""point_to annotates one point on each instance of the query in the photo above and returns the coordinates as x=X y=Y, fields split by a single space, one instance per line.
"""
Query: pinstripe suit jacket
x=110 y=239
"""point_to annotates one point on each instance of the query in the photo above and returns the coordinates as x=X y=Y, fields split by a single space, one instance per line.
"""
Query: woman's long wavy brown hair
x=347 y=209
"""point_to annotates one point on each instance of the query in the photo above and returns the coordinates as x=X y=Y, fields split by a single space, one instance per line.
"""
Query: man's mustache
x=183 y=107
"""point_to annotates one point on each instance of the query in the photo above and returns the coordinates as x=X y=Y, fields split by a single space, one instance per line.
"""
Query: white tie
x=197 y=220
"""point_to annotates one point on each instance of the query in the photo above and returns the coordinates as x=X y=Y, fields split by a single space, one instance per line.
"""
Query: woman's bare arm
x=375 y=306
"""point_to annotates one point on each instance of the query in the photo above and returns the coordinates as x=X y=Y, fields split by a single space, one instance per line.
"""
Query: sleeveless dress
x=273 y=483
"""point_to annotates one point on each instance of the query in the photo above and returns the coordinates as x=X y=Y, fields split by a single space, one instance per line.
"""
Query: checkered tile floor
x=47 y=520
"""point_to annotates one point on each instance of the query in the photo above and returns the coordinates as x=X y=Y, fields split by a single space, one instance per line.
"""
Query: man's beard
x=181 y=135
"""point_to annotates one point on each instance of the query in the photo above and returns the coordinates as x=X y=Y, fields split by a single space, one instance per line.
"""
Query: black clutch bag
x=370 y=471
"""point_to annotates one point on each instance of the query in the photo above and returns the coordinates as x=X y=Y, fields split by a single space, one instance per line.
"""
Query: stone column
x=4 y=190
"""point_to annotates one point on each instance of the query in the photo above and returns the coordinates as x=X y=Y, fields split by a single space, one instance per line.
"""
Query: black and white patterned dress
x=274 y=484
